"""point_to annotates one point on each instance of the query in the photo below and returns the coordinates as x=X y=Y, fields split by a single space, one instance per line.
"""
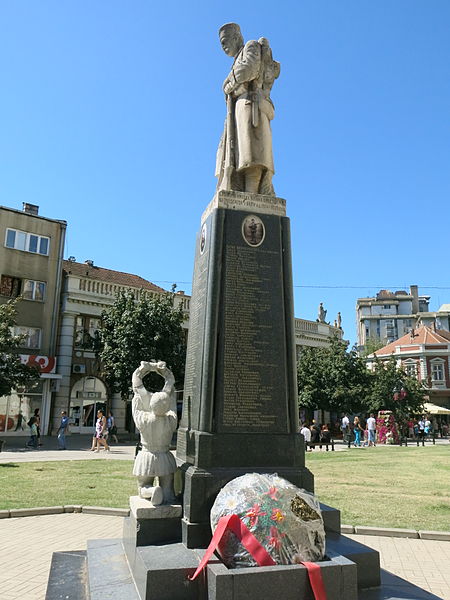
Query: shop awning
x=434 y=409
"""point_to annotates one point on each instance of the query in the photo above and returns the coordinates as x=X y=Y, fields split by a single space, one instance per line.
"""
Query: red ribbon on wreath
x=259 y=553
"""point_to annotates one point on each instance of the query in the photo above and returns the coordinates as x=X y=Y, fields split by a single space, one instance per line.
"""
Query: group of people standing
x=362 y=435
x=423 y=427
x=105 y=429
x=315 y=434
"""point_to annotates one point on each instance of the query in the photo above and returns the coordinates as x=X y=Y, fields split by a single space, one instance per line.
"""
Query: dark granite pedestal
x=240 y=412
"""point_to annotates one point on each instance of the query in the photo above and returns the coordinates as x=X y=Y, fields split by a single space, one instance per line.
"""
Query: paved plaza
x=29 y=542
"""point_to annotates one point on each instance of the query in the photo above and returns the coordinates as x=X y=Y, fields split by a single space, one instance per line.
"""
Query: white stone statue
x=321 y=314
x=244 y=158
x=155 y=415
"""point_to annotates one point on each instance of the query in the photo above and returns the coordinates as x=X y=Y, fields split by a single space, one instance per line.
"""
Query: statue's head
x=160 y=403
x=231 y=38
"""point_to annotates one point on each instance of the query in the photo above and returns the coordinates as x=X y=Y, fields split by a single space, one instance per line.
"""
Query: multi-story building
x=31 y=254
x=389 y=315
x=423 y=353
x=87 y=291
x=314 y=334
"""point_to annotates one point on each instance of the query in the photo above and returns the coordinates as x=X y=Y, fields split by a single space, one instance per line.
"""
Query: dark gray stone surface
x=240 y=410
x=288 y=582
x=161 y=573
x=396 y=588
x=151 y=531
x=366 y=559
x=68 y=576
x=240 y=367
x=331 y=518
x=108 y=572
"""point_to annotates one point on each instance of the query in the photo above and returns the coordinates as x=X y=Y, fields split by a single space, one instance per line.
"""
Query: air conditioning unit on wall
x=79 y=369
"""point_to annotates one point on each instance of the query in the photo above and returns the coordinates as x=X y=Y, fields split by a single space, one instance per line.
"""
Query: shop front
x=17 y=408
x=88 y=395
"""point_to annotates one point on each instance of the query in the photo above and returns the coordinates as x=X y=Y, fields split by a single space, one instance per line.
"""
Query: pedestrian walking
x=371 y=428
x=62 y=431
x=345 y=427
x=100 y=428
x=33 y=442
x=357 y=430
x=37 y=416
x=112 y=429
x=421 y=426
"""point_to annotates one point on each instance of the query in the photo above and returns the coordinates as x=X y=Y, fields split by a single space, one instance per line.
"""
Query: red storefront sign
x=46 y=364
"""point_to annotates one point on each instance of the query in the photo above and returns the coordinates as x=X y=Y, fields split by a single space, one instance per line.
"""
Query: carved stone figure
x=339 y=320
x=244 y=158
x=322 y=314
x=155 y=416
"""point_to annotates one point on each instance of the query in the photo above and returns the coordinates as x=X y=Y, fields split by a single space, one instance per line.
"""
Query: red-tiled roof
x=423 y=335
x=109 y=276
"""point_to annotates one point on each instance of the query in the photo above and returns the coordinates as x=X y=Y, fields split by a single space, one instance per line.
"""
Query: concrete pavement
x=29 y=542
x=78 y=448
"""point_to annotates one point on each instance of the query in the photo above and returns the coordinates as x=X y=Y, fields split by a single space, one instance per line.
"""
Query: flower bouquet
x=286 y=520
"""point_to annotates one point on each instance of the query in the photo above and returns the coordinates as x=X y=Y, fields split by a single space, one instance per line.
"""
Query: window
x=34 y=290
x=10 y=286
x=386 y=306
x=437 y=372
x=28 y=242
x=410 y=368
x=94 y=325
x=85 y=331
x=32 y=335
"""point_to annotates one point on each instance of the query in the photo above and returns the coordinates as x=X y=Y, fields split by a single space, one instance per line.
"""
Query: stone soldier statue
x=244 y=158
x=321 y=314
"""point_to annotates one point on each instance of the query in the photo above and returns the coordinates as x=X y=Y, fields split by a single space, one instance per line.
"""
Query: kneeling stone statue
x=155 y=416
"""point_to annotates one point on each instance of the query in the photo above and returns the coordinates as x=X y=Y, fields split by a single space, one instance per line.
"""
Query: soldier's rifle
x=230 y=144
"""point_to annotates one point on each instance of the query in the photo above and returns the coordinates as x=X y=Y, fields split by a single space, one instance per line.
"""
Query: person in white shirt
x=306 y=433
x=345 y=427
x=371 y=425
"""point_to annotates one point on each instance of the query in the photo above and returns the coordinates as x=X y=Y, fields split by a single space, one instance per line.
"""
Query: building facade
x=423 y=353
x=314 y=334
x=390 y=315
x=31 y=255
x=87 y=291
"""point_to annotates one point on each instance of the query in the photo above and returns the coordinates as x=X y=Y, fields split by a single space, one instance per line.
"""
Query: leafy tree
x=372 y=345
x=331 y=378
x=133 y=331
x=386 y=379
x=13 y=374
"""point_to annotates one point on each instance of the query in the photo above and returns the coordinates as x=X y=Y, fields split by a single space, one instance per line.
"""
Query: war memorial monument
x=240 y=413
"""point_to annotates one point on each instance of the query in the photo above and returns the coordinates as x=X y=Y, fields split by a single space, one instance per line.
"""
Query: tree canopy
x=133 y=331
x=331 y=378
x=13 y=374
x=336 y=379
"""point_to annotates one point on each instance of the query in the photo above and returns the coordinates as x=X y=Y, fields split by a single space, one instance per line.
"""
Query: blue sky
x=111 y=113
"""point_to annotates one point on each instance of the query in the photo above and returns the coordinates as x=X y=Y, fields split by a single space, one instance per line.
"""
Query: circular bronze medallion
x=253 y=230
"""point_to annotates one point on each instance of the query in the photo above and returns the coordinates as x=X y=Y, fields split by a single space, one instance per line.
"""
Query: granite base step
x=68 y=576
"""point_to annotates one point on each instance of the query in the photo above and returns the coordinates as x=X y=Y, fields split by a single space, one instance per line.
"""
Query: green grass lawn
x=386 y=486
x=87 y=482
x=383 y=486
